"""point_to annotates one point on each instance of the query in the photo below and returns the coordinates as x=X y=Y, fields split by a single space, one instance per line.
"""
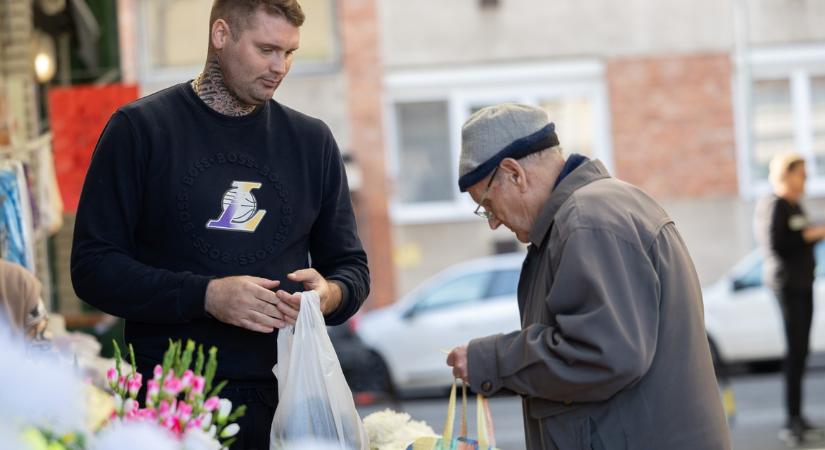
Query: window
x=426 y=110
x=782 y=108
x=175 y=34
x=426 y=157
x=772 y=124
x=458 y=291
x=818 y=122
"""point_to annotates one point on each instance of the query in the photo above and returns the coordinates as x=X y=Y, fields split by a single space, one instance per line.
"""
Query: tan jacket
x=612 y=353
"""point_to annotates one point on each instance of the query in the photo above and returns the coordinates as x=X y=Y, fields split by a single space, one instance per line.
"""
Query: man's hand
x=246 y=302
x=457 y=359
x=289 y=304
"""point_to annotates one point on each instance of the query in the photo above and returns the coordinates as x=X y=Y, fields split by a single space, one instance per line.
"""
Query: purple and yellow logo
x=240 y=209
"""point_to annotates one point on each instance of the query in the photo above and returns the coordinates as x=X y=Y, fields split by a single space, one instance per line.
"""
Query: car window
x=752 y=277
x=505 y=282
x=456 y=291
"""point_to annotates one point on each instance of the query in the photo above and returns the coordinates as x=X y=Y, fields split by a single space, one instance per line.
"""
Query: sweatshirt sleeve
x=104 y=269
x=605 y=297
x=335 y=247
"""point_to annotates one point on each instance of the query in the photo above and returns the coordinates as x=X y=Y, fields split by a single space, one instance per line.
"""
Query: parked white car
x=461 y=303
x=743 y=319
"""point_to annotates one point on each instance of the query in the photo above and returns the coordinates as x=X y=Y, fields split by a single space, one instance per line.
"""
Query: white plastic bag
x=314 y=400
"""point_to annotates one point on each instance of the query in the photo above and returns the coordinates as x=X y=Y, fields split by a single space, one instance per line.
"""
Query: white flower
x=230 y=430
x=197 y=439
x=134 y=436
x=388 y=429
x=39 y=389
x=207 y=421
x=224 y=409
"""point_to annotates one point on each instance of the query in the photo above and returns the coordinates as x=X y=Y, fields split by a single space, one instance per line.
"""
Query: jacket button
x=486 y=386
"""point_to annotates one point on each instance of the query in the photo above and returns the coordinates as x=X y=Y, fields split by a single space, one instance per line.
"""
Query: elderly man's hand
x=457 y=359
x=329 y=293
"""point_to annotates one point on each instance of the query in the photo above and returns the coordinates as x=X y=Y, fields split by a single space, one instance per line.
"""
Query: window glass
x=425 y=165
x=573 y=118
x=773 y=123
x=818 y=122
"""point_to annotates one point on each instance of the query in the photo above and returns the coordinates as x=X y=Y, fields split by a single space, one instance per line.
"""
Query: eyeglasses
x=480 y=210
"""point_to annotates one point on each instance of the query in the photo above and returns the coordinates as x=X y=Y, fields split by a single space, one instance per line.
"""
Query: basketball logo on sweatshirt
x=240 y=209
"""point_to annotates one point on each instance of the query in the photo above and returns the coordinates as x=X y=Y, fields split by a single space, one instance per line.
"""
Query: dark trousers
x=260 y=409
x=797 y=311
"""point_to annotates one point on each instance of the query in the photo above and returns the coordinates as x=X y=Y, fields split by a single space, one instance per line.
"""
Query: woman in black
x=788 y=239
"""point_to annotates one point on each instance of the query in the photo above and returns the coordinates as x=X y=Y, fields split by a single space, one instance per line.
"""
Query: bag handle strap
x=448 y=424
x=484 y=421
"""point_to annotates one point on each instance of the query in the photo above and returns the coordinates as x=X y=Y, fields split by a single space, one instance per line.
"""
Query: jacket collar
x=585 y=174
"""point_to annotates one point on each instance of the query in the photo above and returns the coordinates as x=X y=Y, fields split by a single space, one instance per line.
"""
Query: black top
x=789 y=260
x=178 y=194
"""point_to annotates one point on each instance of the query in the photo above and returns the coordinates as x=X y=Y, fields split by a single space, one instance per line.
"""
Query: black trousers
x=797 y=312
x=255 y=425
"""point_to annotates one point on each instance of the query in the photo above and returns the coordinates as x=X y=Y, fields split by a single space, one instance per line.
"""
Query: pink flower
x=147 y=414
x=211 y=403
x=121 y=383
x=184 y=411
x=158 y=372
x=130 y=407
x=134 y=386
x=111 y=377
x=187 y=378
x=166 y=408
x=152 y=388
x=172 y=385
x=198 y=383
x=194 y=423
x=172 y=424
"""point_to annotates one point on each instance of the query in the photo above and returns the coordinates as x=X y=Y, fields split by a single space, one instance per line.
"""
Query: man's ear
x=220 y=34
x=515 y=173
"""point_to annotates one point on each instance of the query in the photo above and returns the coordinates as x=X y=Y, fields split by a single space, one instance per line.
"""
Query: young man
x=612 y=352
x=203 y=199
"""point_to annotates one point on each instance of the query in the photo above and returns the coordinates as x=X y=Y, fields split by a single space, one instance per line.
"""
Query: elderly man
x=612 y=353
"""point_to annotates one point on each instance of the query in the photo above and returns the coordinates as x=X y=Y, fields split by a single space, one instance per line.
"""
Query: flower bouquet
x=181 y=408
x=178 y=398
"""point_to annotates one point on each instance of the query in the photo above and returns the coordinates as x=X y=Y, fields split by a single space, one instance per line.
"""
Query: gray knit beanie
x=502 y=131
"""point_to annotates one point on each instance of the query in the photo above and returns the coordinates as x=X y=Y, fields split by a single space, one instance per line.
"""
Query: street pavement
x=756 y=424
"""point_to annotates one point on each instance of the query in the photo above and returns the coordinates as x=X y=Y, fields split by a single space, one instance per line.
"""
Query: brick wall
x=672 y=124
x=362 y=64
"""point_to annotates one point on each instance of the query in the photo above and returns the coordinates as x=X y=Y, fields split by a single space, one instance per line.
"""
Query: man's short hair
x=238 y=13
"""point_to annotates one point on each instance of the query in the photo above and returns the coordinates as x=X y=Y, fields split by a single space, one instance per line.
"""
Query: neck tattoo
x=210 y=87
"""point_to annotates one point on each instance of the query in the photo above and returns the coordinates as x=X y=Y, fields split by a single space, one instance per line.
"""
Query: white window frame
x=460 y=89
x=797 y=64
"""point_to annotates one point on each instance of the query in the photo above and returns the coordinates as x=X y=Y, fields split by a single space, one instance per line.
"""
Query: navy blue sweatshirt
x=178 y=194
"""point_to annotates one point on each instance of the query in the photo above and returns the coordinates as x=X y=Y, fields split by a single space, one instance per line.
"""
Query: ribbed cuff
x=192 y=297
x=340 y=315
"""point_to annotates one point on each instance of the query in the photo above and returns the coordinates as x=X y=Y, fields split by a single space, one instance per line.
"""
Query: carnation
x=391 y=430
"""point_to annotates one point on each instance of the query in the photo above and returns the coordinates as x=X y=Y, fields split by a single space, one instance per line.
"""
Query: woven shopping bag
x=484 y=421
